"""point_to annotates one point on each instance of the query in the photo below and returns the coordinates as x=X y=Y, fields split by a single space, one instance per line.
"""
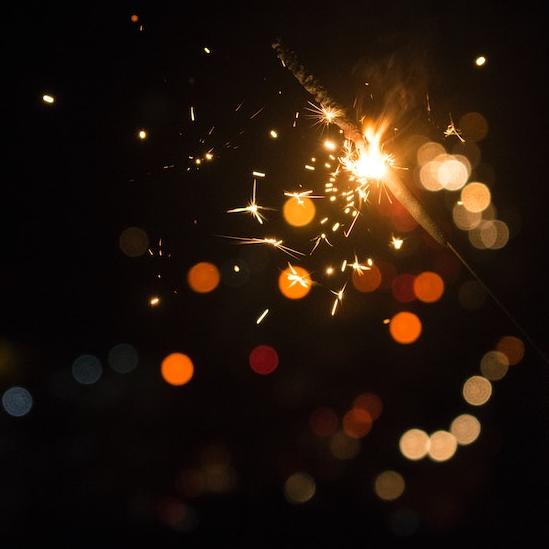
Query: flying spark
x=295 y=278
x=338 y=299
x=358 y=267
x=252 y=208
x=452 y=130
x=397 y=242
x=262 y=316
x=300 y=195
x=269 y=241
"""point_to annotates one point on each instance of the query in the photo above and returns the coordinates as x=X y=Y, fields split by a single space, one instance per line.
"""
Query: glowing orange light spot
x=134 y=18
x=294 y=283
x=299 y=212
x=357 y=423
x=203 y=277
x=405 y=327
x=512 y=347
x=368 y=281
x=177 y=369
x=369 y=402
x=428 y=287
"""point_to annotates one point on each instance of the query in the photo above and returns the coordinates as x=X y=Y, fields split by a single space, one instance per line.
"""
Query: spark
x=295 y=278
x=452 y=130
x=308 y=167
x=480 y=61
x=208 y=156
x=356 y=213
x=192 y=114
x=207 y=50
x=329 y=270
x=317 y=240
x=256 y=113
x=253 y=208
x=273 y=134
x=300 y=195
x=154 y=301
x=142 y=134
x=258 y=174
x=262 y=316
x=269 y=241
x=236 y=269
x=397 y=242
x=48 y=99
x=338 y=299
x=358 y=267
x=330 y=145
x=325 y=114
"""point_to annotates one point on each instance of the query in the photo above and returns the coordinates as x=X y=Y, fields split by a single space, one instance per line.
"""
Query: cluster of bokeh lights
x=416 y=444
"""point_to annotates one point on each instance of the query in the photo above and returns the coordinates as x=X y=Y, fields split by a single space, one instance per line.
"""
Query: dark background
x=94 y=464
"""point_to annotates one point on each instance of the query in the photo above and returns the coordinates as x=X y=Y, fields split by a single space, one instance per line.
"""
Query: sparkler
x=363 y=157
x=365 y=160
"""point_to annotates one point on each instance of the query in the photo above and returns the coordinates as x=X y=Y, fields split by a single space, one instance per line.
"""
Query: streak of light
x=262 y=316
x=269 y=241
x=338 y=299
x=257 y=113
x=296 y=278
x=299 y=195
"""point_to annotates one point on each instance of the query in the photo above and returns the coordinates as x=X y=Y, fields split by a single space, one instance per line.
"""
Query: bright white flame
x=369 y=161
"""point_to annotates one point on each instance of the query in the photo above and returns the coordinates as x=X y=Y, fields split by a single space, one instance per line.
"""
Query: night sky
x=224 y=460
